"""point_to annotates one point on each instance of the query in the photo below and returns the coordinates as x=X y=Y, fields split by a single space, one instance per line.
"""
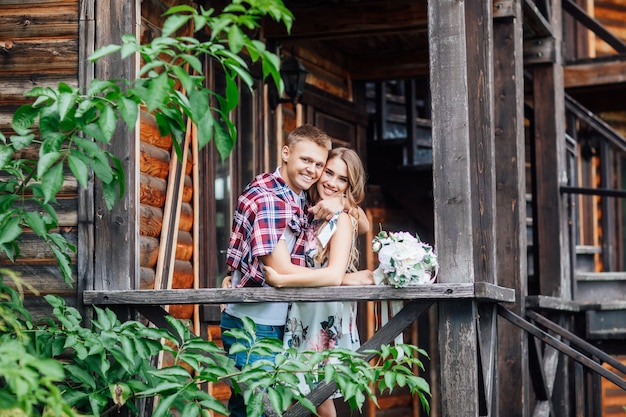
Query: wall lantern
x=294 y=75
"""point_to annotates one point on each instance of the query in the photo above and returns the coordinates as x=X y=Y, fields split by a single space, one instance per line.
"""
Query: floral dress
x=322 y=325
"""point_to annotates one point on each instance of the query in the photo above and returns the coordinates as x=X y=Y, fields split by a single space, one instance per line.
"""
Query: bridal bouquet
x=403 y=260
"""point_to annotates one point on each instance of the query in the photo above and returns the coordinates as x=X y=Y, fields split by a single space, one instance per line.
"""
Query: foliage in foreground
x=70 y=128
x=57 y=367
x=60 y=368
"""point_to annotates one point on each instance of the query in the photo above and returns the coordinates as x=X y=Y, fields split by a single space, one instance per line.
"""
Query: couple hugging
x=273 y=242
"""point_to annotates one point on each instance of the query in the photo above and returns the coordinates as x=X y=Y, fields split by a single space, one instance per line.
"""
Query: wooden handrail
x=439 y=291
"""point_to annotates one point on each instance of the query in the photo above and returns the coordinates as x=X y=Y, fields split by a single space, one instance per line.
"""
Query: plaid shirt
x=264 y=210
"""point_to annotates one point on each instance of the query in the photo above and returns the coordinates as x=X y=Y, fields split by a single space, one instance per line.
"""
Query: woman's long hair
x=354 y=194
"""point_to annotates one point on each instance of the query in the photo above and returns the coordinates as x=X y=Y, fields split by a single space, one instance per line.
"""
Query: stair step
x=596 y=287
x=601 y=276
x=606 y=324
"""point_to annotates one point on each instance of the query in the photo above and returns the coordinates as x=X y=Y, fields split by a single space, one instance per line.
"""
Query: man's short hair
x=311 y=133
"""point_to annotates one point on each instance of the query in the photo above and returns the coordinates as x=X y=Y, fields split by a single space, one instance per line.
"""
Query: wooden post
x=550 y=173
x=85 y=210
x=117 y=231
x=511 y=206
x=461 y=71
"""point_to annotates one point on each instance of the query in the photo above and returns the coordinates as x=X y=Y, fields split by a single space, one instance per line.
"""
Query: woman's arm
x=278 y=274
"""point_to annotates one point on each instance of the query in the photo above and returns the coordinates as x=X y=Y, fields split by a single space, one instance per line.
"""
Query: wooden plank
x=45 y=277
x=551 y=303
x=34 y=248
x=39 y=56
x=37 y=2
x=453 y=193
x=43 y=21
x=85 y=195
x=511 y=208
x=549 y=165
x=459 y=367
x=595 y=74
x=450 y=291
x=117 y=230
x=479 y=39
x=14 y=86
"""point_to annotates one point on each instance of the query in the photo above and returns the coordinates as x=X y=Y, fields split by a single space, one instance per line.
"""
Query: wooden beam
x=535 y=24
x=562 y=347
x=336 y=20
x=592 y=24
x=450 y=291
x=479 y=40
x=117 y=231
x=511 y=248
x=549 y=165
x=595 y=74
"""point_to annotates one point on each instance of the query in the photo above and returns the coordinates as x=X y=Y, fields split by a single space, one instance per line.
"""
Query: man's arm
x=333 y=274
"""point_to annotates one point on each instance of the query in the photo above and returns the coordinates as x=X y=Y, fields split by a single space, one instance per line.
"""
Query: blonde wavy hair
x=354 y=194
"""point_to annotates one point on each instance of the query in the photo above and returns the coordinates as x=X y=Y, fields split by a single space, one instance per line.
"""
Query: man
x=272 y=206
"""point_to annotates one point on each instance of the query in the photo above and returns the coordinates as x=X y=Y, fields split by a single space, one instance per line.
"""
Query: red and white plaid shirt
x=264 y=210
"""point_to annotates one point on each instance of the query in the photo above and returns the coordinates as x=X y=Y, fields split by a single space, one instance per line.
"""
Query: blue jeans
x=236 y=405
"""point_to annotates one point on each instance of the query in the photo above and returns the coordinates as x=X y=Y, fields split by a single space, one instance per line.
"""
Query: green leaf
x=105 y=50
x=205 y=128
x=36 y=223
x=223 y=141
x=183 y=76
x=52 y=181
x=158 y=91
x=129 y=110
x=48 y=121
x=78 y=168
x=163 y=409
x=6 y=154
x=232 y=95
x=109 y=191
x=179 y=9
x=107 y=123
x=235 y=39
x=65 y=263
x=199 y=103
x=65 y=102
x=93 y=130
x=46 y=160
x=129 y=47
x=10 y=229
x=20 y=142
x=173 y=23
x=23 y=119
x=194 y=62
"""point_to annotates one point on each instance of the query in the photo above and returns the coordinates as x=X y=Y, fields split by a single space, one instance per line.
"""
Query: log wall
x=39 y=47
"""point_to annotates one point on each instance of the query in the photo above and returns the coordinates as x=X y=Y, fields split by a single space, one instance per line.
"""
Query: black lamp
x=294 y=75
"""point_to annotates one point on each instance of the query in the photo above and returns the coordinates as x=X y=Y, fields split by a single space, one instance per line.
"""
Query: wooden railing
x=419 y=299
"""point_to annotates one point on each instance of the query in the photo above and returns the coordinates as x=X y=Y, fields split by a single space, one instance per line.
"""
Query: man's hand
x=363 y=277
x=327 y=208
x=227 y=282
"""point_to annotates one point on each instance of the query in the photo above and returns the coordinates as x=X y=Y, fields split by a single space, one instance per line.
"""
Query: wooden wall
x=39 y=47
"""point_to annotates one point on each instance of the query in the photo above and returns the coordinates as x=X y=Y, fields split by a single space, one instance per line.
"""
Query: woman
x=330 y=253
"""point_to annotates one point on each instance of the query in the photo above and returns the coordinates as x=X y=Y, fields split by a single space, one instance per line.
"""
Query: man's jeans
x=236 y=405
